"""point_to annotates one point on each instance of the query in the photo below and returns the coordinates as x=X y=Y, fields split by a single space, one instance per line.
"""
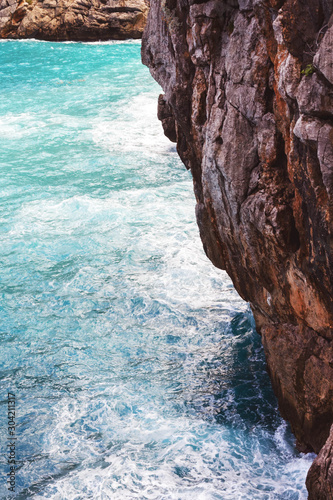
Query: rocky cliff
x=249 y=100
x=79 y=20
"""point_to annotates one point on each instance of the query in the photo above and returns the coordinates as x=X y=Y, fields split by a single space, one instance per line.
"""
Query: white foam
x=146 y=137
x=124 y=419
x=14 y=127
x=70 y=42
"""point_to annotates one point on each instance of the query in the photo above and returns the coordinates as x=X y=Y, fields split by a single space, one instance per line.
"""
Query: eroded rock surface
x=249 y=99
x=78 y=20
x=320 y=476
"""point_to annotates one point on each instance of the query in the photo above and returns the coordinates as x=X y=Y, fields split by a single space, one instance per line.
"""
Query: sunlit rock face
x=78 y=20
x=249 y=100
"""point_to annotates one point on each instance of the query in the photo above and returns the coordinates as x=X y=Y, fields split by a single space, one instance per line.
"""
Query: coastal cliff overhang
x=248 y=97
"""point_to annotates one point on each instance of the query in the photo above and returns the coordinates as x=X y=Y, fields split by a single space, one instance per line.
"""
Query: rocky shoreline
x=249 y=100
x=73 y=20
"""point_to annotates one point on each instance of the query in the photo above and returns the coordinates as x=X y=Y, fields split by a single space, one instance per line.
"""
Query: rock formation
x=249 y=100
x=320 y=476
x=79 y=20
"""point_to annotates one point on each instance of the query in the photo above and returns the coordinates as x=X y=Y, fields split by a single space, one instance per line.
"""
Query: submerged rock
x=77 y=20
x=249 y=99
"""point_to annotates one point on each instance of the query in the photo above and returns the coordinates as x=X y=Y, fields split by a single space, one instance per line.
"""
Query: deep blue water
x=136 y=367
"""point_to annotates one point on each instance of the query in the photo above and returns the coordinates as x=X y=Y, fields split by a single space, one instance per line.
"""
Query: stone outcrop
x=320 y=476
x=249 y=100
x=78 y=20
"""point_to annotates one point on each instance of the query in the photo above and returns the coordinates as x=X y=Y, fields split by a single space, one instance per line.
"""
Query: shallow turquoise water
x=136 y=367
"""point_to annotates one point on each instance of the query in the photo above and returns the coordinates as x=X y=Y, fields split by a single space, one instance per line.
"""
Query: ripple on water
x=136 y=366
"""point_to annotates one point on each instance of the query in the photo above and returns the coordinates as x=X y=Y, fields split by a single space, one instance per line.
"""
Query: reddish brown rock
x=249 y=86
x=164 y=113
x=78 y=20
x=320 y=477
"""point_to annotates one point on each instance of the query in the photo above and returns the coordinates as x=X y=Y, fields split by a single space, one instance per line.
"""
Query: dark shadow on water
x=233 y=386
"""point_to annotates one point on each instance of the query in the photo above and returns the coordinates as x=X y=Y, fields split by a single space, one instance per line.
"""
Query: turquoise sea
x=136 y=368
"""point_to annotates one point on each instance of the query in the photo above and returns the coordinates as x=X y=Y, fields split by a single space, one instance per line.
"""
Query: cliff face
x=249 y=99
x=79 y=20
x=320 y=476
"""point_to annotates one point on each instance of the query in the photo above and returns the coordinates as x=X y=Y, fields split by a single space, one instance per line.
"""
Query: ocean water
x=136 y=368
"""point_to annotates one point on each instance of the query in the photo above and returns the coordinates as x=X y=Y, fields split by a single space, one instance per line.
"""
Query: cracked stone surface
x=248 y=97
x=320 y=476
